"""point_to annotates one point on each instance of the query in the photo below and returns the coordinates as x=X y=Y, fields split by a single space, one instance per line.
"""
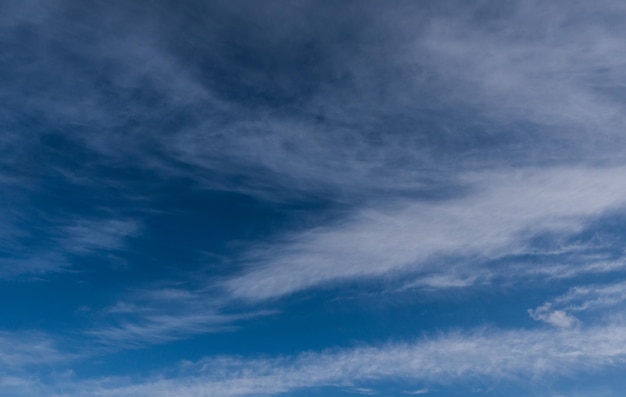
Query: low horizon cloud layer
x=488 y=354
x=233 y=198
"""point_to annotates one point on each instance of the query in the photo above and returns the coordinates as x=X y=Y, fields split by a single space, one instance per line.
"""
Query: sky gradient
x=312 y=198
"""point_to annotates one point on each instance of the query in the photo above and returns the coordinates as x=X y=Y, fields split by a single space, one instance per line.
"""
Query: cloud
x=453 y=358
x=535 y=63
x=594 y=296
x=159 y=328
x=348 y=103
x=500 y=215
x=162 y=314
x=87 y=235
x=26 y=359
x=557 y=318
x=53 y=245
x=338 y=105
x=395 y=114
x=538 y=80
x=419 y=391
x=19 y=350
x=590 y=299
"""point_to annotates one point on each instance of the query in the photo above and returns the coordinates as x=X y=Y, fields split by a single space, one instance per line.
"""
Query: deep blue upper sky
x=312 y=198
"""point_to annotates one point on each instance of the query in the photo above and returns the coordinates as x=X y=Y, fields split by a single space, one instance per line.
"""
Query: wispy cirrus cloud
x=492 y=355
x=537 y=63
x=23 y=349
x=538 y=95
x=85 y=235
x=500 y=215
x=165 y=313
x=590 y=299
x=28 y=357
x=56 y=246
x=356 y=128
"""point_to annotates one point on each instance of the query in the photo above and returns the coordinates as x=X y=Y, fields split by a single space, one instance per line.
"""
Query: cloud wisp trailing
x=592 y=300
x=360 y=126
x=23 y=355
x=520 y=356
x=500 y=215
x=163 y=314
x=61 y=245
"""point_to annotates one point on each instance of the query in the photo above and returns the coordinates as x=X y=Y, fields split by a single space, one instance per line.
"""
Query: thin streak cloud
x=520 y=356
x=500 y=215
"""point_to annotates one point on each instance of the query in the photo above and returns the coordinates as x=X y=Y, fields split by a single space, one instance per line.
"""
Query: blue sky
x=312 y=198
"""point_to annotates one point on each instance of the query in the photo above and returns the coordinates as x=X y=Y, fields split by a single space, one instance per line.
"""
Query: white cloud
x=544 y=80
x=490 y=355
x=419 y=391
x=535 y=63
x=592 y=298
x=552 y=64
x=163 y=314
x=498 y=217
x=59 y=240
x=26 y=357
x=86 y=235
x=557 y=318
x=22 y=349
x=156 y=328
